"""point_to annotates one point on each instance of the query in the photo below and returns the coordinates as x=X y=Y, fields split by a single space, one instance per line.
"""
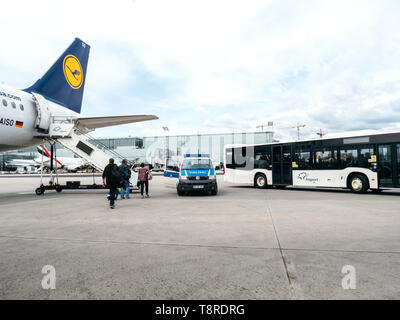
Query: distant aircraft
x=22 y=165
x=33 y=165
x=50 y=108
x=68 y=163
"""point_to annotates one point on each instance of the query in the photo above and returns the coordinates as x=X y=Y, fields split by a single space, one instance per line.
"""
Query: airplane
x=22 y=165
x=68 y=163
x=26 y=115
x=33 y=165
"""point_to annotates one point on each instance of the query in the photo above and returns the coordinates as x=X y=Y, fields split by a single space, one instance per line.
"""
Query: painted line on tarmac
x=172 y=244
x=194 y=245
x=295 y=290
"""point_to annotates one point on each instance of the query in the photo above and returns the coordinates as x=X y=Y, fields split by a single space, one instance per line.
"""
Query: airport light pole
x=166 y=129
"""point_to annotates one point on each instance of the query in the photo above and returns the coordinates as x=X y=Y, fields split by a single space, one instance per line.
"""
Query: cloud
x=330 y=64
x=200 y=109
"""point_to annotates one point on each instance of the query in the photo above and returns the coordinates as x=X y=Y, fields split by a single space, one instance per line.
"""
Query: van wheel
x=214 y=192
x=359 y=183
x=260 y=181
x=180 y=193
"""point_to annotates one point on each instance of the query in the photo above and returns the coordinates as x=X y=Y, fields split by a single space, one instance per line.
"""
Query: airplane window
x=21 y=107
x=5 y=102
x=13 y=105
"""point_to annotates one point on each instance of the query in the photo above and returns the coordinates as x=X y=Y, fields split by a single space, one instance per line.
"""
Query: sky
x=218 y=66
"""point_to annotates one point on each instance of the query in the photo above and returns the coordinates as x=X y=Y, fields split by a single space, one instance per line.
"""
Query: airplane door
x=43 y=112
x=171 y=169
x=282 y=165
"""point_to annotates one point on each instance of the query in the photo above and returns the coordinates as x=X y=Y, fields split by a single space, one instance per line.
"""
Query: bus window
x=229 y=159
x=302 y=157
x=303 y=160
x=238 y=157
x=364 y=160
x=348 y=158
x=325 y=159
x=262 y=157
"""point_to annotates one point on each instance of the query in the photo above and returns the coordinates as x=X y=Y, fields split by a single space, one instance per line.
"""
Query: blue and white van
x=195 y=173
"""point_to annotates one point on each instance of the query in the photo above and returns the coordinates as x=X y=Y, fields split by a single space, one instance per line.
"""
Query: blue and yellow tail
x=64 y=82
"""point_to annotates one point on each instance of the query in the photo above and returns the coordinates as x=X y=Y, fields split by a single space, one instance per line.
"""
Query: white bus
x=355 y=161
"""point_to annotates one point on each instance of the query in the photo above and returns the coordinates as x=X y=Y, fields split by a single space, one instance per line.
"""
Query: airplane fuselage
x=18 y=115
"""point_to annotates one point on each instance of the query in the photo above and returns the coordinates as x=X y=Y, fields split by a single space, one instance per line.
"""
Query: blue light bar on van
x=196 y=155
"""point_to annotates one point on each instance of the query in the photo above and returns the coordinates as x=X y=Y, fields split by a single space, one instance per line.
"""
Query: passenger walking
x=116 y=194
x=144 y=180
x=111 y=180
x=126 y=175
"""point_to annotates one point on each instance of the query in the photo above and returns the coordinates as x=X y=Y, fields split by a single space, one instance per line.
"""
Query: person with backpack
x=126 y=175
x=112 y=180
x=144 y=177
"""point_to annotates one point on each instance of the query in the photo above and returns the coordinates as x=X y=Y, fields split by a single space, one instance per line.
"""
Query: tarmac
x=244 y=243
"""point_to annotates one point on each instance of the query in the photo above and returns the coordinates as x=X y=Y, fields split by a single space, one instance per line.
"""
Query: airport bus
x=358 y=161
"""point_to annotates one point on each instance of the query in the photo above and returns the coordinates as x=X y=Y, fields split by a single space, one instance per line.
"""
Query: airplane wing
x=101 y=122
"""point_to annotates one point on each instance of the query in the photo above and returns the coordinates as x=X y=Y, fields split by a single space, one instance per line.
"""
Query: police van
x=195 y=173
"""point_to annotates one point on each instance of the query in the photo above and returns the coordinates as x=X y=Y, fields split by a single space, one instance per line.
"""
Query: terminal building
x=154 y=150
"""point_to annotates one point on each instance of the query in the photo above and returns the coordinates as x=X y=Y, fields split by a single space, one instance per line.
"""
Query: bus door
x=388 y=165
x=282 y=165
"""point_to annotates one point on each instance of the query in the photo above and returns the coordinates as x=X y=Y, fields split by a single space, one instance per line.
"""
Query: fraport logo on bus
x=304 y=177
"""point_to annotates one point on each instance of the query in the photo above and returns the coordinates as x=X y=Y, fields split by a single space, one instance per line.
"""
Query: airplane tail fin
x=64 y=82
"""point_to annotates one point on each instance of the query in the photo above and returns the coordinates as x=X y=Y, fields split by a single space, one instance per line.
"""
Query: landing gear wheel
x=260 y=181
x=359 y=183
x=39 y=191
x=58 y=188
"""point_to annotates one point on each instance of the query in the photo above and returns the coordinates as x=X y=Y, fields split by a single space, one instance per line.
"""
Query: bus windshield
x=197 y=164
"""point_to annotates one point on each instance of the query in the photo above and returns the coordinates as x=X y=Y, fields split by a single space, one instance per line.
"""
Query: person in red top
x=144 y=179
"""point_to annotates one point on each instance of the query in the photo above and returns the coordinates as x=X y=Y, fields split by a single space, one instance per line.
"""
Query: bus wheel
x=358 y=183
x=260 y=181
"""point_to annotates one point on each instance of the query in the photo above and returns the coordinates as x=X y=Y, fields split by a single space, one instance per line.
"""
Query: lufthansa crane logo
x=73 y=71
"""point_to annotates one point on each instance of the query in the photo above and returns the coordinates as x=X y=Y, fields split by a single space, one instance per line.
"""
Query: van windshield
x=197 y=164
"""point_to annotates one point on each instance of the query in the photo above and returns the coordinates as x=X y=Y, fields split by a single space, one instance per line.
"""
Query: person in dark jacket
x=110 y=180
x=126 y=175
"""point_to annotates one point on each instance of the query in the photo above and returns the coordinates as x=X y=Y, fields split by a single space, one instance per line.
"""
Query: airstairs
x=64 y=131
x=78 y=141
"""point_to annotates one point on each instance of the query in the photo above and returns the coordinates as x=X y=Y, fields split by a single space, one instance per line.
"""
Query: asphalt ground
x=244 y=243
